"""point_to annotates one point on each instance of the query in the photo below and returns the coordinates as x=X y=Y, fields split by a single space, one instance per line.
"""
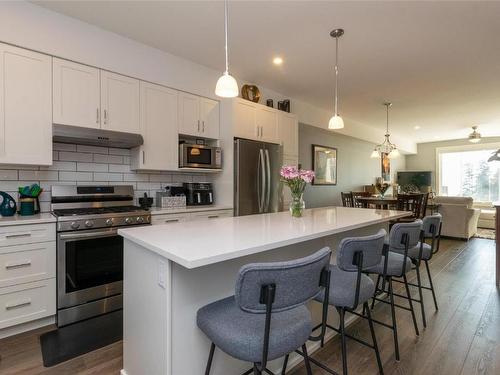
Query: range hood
x=95 y=137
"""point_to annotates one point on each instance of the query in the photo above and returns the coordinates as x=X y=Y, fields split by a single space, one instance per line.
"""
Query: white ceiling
x=438 y=62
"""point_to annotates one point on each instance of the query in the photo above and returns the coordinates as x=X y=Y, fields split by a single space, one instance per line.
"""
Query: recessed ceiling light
x=277 y=60
x=416 y=127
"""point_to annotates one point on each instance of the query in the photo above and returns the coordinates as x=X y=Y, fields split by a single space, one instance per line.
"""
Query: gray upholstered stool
x=350 y=287
x=396 y=263
x=423 y=251
x=267 y=317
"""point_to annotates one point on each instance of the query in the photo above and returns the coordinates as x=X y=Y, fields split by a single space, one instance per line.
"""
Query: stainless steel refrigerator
x=257 y=177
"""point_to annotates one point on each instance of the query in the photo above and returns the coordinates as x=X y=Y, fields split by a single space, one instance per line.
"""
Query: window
x=464 y=171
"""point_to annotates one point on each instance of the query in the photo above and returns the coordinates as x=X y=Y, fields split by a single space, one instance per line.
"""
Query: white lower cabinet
x=26 y=302
x=190 y=216
x=27 y=273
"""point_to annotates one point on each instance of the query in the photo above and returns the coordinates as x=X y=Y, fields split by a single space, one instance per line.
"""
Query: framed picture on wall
x=324 y=165
x=386 y=167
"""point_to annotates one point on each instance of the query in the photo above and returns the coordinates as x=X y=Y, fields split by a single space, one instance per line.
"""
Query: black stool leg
x=210 y=358
x=306 y=360
x=412 y=310
x=285 y=363
x=343 y=339
x=431 y=284
x=256 y=370
x=376 y=290
x=420 y=295
x=374 y=339
x=394 y=324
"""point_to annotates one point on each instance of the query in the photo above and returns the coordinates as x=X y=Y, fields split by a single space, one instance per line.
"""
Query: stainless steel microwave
x=199 y=156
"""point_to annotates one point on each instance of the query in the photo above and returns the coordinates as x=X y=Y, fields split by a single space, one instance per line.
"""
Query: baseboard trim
x=25 y=327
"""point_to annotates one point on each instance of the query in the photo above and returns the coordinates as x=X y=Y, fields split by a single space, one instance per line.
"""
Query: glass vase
x=297 y=206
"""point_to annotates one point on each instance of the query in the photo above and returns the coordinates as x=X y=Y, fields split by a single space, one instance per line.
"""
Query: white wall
x=30 y=26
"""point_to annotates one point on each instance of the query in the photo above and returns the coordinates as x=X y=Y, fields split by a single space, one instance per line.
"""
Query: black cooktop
x=96 y=211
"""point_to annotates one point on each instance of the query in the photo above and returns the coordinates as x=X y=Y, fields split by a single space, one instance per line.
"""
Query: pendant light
x=336 y=121
x=386 y=147
x=226 y=87
x=475 y=136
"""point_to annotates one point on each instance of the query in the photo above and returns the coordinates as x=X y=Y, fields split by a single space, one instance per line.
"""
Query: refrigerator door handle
x=268 y=181
x=261 y=188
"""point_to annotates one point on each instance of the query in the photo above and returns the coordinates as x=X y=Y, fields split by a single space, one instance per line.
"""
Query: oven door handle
x=75 y=236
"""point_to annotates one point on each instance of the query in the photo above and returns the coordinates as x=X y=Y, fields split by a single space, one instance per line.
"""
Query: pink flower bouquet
x=296 y=179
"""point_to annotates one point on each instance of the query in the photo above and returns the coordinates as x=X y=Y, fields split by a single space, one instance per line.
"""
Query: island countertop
x=196 y=244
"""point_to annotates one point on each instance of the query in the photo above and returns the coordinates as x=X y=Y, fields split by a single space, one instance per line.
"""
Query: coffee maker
x=199 y=193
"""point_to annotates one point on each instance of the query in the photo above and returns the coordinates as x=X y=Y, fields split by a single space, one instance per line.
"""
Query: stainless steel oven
x=199 y=156
x=89 y=250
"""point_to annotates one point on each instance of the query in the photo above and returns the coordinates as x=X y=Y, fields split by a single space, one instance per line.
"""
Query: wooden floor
x=462 y=338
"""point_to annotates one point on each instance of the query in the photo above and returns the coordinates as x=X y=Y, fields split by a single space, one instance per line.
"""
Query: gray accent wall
x=355 y=168
x=425 y=159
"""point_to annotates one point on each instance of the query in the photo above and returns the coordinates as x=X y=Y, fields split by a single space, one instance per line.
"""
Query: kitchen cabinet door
x=25 y=107
x=159 y=128
x=76 y=94
x=267 y=121
x=210 y=118
x=120 y=103
x=189 y=114
x=244 y=121
x=289 y=133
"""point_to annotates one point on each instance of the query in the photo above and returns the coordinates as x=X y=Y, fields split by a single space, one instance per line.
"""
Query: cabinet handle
x=213 y=216
x=171 y=220
x=198 y=126
x=143 y=157
x=261 y=131
x=105 y=116
x=24 y=263
x=17 y=235
x=16 y=305
x=97 y=116
x=203 y=122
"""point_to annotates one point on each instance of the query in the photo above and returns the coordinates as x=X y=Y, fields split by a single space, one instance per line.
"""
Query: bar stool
x=350 y=287
x=277 y=292
x=396 y=263
x=431 y=230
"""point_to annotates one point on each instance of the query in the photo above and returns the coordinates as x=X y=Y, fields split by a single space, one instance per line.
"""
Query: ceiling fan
x=495 y=156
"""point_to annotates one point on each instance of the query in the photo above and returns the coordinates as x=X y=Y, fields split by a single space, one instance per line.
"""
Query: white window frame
x=459 y=148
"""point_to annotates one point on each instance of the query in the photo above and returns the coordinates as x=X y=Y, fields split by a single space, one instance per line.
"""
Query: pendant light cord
x=225 y=33
x=387 y=119
x=336 y=74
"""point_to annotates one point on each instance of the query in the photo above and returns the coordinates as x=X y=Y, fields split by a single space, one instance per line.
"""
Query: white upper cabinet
x=210 y=118
x=76 y=94
x=120 y=103
x=288 y=130
x=25 y=107
x=267 y=123
x=255 y=121
x=198 y=116
x=244 y=121
x=159 y=129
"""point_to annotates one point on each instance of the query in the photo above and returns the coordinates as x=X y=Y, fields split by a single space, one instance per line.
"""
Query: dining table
x=379 y=202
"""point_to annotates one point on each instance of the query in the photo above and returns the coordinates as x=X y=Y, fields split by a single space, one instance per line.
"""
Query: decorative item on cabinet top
x=250 y=92
x=284 y=105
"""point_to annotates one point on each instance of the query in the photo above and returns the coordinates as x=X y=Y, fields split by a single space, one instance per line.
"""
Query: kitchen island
x=172 y=270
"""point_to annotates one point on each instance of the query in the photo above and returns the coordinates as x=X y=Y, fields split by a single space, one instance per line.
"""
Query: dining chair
x=347 y=199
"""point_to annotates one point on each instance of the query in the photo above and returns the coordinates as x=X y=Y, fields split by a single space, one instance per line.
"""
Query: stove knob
x=109 y=222
x=140 y=219
x=74 y=225
x=89 y=223
x=127 y=220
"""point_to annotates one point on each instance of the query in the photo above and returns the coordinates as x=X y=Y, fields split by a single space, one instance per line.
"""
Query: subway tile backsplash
x=89 y=165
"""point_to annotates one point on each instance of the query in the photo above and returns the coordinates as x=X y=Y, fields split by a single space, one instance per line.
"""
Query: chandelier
x=386 y=147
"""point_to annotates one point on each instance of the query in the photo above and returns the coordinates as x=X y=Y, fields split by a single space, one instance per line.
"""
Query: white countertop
x=193 y=245
x=42 y=218
x=163 y=211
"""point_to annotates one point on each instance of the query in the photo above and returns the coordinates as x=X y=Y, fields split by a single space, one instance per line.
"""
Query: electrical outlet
x=162 y=273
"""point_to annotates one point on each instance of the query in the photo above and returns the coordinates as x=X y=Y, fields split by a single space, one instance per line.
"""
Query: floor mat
x=485 y=233
x=76 y=339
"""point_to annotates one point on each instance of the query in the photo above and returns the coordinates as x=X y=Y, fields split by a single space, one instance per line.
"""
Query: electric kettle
x=8 y=206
